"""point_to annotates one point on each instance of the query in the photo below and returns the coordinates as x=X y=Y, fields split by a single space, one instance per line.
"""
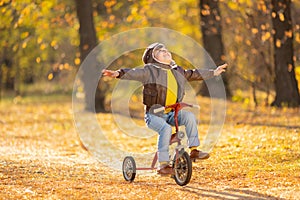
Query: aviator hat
x=147 y=56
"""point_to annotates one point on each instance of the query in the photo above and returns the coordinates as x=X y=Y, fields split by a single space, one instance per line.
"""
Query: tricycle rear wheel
x=129 y=168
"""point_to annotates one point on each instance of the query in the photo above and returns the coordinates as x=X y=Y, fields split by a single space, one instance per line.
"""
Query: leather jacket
x=154 y=79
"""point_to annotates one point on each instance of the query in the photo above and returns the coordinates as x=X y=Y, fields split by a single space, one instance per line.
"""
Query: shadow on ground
x=229 y=194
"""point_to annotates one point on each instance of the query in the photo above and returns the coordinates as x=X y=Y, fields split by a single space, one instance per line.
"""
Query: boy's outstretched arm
x=110 y=73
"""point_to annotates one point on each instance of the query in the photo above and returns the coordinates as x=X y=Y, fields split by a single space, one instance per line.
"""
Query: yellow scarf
x=172 y=89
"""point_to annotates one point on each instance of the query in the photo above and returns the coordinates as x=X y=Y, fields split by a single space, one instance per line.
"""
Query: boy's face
x=163 y=55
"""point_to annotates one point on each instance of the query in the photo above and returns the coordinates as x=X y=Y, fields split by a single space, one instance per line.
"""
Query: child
x=163 y=83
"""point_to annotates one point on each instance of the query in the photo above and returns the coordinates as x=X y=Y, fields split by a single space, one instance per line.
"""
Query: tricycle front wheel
x=183 y=168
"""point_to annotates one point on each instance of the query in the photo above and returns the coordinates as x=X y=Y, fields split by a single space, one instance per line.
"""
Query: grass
x=256 y=157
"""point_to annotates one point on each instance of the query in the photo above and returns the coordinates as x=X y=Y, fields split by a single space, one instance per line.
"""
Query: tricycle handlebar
x=176 y=107
x=160 y=109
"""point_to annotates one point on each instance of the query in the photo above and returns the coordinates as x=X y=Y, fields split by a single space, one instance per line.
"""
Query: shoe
x=166 y=170
x=196 y=154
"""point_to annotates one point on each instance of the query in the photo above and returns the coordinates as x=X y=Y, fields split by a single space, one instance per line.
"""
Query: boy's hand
x=220 y=69
x=110 y=73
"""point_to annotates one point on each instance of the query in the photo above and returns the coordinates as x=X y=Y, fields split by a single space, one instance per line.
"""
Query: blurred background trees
x=38 y=40
x=285 y=82
x=211 y=29
x=42 y=43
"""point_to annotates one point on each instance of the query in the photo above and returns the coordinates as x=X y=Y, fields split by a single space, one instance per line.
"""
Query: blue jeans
x=162 y=124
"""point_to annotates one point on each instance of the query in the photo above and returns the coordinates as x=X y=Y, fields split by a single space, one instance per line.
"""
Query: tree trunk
x=88 y=41
x=212 y=40
x=287 y=93
x=1 y=85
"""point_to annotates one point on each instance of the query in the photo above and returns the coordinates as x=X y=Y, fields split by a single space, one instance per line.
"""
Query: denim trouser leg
x=164 y=130
x=188 y=119
x=161 y=125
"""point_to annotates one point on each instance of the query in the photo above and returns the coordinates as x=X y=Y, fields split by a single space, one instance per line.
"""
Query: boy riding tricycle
x=163 y=91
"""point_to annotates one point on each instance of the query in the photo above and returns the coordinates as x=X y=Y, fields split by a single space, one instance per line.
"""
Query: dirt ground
x=41 y=158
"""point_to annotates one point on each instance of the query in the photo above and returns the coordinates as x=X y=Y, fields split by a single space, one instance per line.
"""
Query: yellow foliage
x=297 y=37
x=24 y=45
x=38 y=59
x=129 y=18
x=254 y=30
x=24 y=35
x=297 y=73
x=289 y=33
x=67 y=66
x=3 y=10
x=112 y=17
x=232 y=54
x=262 y=6
x=53 y=43
x=46 y=6
x=61 y=67
x=77 y=61
x=233 y=5
x=205 y=12
x=42 y=46
x=39 y=40
x=278 y=43
x=109 y=3
x=281 y=17
x=266 y=36
x=50 y=76
x=45 y=26
x=15 y=47
x=238 y=38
